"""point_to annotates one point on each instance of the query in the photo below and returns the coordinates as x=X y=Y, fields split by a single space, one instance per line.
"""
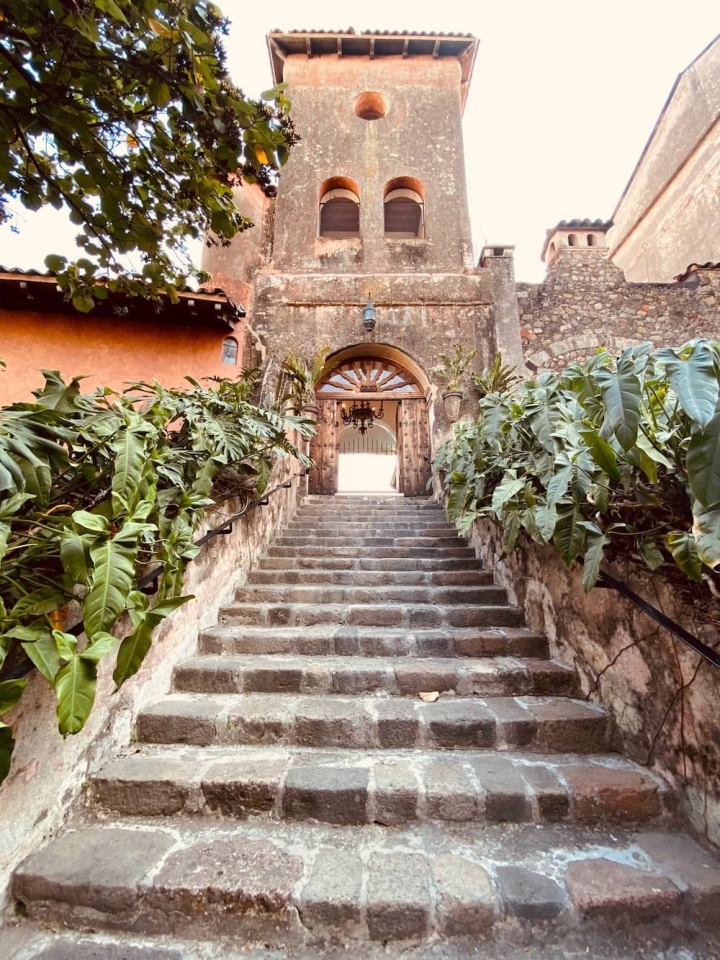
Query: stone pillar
x=499 y=260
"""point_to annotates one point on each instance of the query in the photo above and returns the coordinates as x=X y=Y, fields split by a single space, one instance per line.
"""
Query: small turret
x=576 y=236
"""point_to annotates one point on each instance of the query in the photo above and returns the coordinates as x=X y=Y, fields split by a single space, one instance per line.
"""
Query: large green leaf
x=112 y=580
x=557 y=488
x=694 y=379
x=457 y=500
x=703 y=463
x=622 y=397
x=75 y=690
x=706 y=530
x=570 y=535
x=134 y=647
x=74 y=557
x=602 y=453
x=7 y=745
x=10 y=693
x=42 y=600
x=507 y=488
x=45 y=655
x=596 y=541
x=130 y=466
x=546 y=518
x=683 y=548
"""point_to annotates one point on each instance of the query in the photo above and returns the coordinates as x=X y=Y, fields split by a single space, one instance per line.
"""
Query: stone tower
x=372 y=206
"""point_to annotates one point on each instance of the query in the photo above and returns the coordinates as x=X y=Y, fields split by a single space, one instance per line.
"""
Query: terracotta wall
x=111 y=352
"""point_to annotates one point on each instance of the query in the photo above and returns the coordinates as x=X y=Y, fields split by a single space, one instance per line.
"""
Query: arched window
x=552 y=250
x=591 y=242
x=230 y=351
x=339 y=209
x=572 y=240
x=404 y=209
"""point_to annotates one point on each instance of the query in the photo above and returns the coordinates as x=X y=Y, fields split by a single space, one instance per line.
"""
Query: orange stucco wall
x=110 y=352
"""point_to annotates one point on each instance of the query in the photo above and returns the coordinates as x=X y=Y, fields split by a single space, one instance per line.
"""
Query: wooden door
x=413 y=448
x=325 y=451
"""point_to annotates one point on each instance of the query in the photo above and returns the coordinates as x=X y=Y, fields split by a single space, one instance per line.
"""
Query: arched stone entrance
x=390 y=381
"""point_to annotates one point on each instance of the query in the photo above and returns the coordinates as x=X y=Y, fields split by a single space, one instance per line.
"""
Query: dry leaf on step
x=429 y=697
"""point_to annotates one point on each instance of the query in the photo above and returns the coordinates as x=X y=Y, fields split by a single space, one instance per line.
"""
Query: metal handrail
x=608 y=582
x=27 y=666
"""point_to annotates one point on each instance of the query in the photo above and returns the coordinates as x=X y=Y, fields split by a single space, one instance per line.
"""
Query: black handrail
x=610 y=583
x=27 y=666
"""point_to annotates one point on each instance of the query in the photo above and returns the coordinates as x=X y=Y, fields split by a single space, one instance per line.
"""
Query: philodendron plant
x=453 y=366
x=304 y=376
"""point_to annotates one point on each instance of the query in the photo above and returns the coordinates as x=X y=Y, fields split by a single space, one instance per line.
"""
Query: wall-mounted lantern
x=369 y=318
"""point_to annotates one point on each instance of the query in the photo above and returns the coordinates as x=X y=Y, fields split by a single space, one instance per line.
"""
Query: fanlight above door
x=369 y=375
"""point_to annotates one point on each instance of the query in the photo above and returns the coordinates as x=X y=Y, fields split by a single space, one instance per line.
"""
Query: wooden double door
x=413 y=447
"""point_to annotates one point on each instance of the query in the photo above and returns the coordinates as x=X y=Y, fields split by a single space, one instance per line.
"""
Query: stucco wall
x=110 y=352
x=48 y=773
x=584 y=302
x=628 y=663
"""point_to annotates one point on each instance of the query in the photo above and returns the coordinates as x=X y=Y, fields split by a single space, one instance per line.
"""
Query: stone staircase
x=296 y=788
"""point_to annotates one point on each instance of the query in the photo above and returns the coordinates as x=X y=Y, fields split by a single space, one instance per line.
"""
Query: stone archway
x=377 y=375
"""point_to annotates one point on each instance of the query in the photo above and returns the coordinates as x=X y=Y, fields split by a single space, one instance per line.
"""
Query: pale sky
x=564 y=96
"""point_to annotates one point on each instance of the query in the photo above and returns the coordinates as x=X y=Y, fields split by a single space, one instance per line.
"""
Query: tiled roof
x=36 y=291
x=374 y=44
x=576 y=224
x=694 y=267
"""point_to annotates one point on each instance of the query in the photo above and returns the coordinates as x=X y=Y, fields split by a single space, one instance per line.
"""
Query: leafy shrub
x=92 y=490
x=608 y=458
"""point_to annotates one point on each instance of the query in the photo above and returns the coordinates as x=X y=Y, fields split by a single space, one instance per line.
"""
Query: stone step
x=320 y=540
x=391 y=788
x=304 y=883
x=357 y=528
x=353 y=641
x=543 y=724
x=407 y=676
x=296 y=593
x=371 y=578
x=383 y=553
x=372 y=614
x=432 y=561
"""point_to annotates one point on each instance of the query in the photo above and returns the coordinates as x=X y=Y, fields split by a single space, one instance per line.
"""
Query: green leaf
x=55 y=263
x=703 y=463
x=593 y=558
x=511 y=529
x=557 y=488
x=132 y=652
x=66 y=644
x=73 y=556
x=44 y=654
x=546 y=518
x=651 y=554
x=602 y=453
x=5 y=529
x=622 y=396
x=10 y=693
x=11 y=506
x=694 y=379
x=570 y=535
x=42 y=600
x=506 y=490
x=684 y=551
x=112 y=580
x=91 y=522
x=75 y=690
x=103 y=644
x=457 y=500
x=706 y=530
x=130 y=464
x=7 y=745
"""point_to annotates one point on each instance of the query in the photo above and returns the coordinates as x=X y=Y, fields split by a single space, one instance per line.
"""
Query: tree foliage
x=609 y=458
x=95 y=488
x=123 y=113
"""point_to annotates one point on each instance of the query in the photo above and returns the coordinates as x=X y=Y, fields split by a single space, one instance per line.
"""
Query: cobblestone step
x=544 y=724
x=355 y=641
x=391 y=788
x=370 y=578
x=359 y=528
x=404 y=676
x=319 y=540
x=482 y=595
x=301 y=883
x=372 y=614
x=275 y=559
x=404 y=552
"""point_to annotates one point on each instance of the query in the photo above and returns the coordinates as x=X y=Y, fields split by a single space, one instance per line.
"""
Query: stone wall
x=625 y=661
x=585 y=302
x=48 y=773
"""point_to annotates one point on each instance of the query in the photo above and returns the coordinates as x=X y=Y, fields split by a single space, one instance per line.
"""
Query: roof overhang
x=374 y=45
x=41 y=293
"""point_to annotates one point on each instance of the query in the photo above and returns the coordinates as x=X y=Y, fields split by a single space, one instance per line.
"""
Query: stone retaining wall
x=584 y=302
x=629 y=664
x=48 y=773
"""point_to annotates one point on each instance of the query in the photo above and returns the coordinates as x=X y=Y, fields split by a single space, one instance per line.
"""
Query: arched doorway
x=357 y=389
